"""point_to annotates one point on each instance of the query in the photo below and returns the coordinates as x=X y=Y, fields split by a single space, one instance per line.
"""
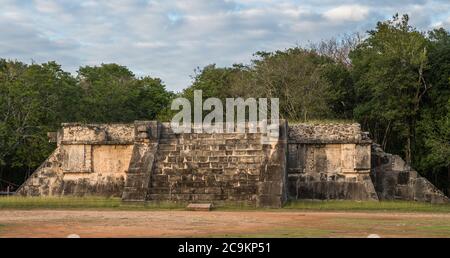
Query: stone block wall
x=147 y=161
x=77 y=133
x=201 y=167
x=395 y=180
x=141 y=167
x=320 y=133
x=89 y=160
x=329 y=162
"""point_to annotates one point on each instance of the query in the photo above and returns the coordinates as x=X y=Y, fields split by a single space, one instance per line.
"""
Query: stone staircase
x=141 y=164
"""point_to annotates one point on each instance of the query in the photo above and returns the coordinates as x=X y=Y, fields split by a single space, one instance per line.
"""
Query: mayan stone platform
x=147 y=161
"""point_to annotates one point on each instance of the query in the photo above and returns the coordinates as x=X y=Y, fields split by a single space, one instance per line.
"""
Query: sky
x=169 y=39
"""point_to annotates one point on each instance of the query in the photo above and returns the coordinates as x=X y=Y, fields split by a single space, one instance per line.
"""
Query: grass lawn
x=104 y=217
x=398 y=206
x=14 y=202
x=357 y=227
x=80 y=203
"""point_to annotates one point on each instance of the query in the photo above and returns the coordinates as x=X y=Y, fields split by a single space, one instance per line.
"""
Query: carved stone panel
x=77 y=158
x=348 y=158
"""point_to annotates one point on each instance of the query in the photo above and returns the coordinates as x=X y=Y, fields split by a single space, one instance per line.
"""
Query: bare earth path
x=61 y=223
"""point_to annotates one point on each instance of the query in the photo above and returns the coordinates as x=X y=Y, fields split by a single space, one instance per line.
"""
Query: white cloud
x=47 y=6
x=347 y=13
x=168 y=39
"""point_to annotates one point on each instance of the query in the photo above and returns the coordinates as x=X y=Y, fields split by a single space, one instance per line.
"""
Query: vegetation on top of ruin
x=324 y=121
x=394 y=81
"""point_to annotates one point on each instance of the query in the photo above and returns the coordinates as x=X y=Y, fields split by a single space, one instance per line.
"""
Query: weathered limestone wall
x=329 y=162
x=141 y=167
x=77 y=133
x=328 y=133
x=147 y=161
x=89 y=160
x=395 y=180
x=219 y=167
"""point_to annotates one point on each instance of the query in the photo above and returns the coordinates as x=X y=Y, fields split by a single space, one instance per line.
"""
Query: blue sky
x=169 y=39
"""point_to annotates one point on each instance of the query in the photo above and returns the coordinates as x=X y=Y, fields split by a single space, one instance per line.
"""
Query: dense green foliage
x=36 y=99
x=395 y=81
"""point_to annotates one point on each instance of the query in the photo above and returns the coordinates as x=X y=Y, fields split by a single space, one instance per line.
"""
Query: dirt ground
x=87 y=224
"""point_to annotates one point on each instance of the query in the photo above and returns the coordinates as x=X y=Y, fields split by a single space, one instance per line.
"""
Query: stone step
x=133 y=170
x=200 y=207
x=167 y=147
x=169 y=141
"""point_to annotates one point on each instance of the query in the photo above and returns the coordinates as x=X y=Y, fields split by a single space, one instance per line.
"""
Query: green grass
x=440 y=230
x=14 y=202
x=398 y=206
x=3 y=228
x=280 y=232
x=81 y=203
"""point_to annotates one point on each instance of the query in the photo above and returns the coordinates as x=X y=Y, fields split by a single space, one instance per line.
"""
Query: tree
x=341 y=96
x=106 y=93
x=152 y=100
x=309 y=85
x=295 y=76
x=112 y=93
x=433 y=129
x=33 y=101
x=214 y=82
x=435 y=157
x=37 y=98
x=388 y=70
x=338 y=49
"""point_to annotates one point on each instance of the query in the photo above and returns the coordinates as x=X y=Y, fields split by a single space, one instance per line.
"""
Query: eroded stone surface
x=89 y=160
x=147 y=161
x=327 y=133
x=200 y=207
x=395 y=180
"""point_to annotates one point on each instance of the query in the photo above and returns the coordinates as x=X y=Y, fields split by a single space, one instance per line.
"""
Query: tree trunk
x=448 y=168
x=385 y=137
x=409 y=140
x=408 y=149
x=448 y=180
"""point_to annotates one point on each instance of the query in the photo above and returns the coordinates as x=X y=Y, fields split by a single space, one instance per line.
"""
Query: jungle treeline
x=394 y=80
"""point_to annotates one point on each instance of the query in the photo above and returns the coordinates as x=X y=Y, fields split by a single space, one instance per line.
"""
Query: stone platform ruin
x=147 y=161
